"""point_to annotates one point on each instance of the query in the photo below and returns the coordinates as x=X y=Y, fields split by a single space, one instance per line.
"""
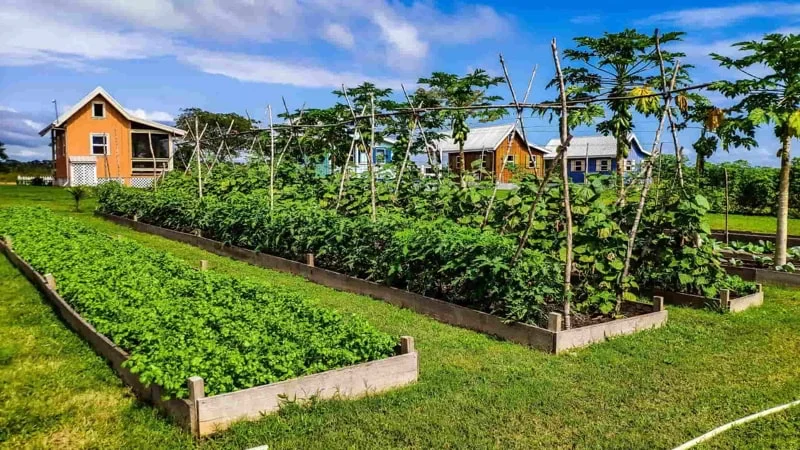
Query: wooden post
x=9 y=243
x=310 y=259
x=725 y=299
x=727 y=206
x=196 y=387
x=759 y=287
x=406 y=345
x=50 y=280
x=554 y=321
x=658 y=303
x=203 y=265
x=135 y=217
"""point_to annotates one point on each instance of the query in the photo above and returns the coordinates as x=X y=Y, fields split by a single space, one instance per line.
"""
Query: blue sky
x=158 y=56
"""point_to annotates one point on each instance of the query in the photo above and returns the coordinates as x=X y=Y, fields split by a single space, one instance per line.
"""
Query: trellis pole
x=511 y=136
x=428 y=149
x=565 y=141
x=271 y=161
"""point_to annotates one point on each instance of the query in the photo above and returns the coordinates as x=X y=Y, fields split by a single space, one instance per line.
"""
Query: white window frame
x=573 y=165
x=630 y=165
x=606 y=162
x=532 y=161
x=103 y=104
x=510 y=160
x=92 y=144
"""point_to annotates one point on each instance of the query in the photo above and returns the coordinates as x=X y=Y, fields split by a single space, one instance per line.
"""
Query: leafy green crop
x=177 y=322
x=435 y=257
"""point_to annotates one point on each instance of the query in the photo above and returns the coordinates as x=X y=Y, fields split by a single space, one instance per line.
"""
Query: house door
x=83 y=173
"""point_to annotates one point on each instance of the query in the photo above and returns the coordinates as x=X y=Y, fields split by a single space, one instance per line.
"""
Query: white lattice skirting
x=138 y=182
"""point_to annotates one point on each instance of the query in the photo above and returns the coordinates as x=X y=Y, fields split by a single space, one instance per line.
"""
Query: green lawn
x=759 y=224
x=655 y=389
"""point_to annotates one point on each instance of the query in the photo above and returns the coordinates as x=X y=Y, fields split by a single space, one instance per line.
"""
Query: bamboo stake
x=727 y=205
x=668 y=98
x=153 y=156
x=364 y=145
x=271 y=161
x=428 y=149
x=197 y=151
x=291 y=123
x=511 y=136
x=565 y=140
x=344 y=172
x=221 y=145
x=405 y=158
x=369 y=160
x=647 y=173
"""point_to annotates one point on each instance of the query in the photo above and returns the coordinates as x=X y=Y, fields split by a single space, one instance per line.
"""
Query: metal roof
x=591 y=146
x=483 y=138
x=102 y=92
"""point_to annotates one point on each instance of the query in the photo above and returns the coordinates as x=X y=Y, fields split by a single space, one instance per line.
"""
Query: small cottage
x=98 y=140
x=491 y=145
x=596 y=154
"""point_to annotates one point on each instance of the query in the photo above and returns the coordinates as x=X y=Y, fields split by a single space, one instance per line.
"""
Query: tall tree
x=456 y=91
x=770 y=94
x=617 y=65
x=218 y=124
x=3 y=155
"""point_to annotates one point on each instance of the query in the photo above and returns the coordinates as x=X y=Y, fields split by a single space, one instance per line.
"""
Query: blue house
x=381 y=154
x=596 y=154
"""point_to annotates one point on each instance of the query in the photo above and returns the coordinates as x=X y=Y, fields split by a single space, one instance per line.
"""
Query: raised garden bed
x=762 y=275
x=726 y=302
x=552 y=339
x=203 y=415
x=752 y=237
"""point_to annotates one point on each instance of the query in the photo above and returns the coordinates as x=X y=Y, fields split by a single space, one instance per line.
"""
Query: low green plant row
x=437 y=257
x=177 y=322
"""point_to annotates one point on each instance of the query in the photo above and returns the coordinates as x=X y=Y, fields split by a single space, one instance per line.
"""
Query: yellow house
x=98 y=140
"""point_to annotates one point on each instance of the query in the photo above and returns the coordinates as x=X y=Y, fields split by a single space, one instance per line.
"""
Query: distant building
x=490 y=145
x=596 y=154
x=97 y=140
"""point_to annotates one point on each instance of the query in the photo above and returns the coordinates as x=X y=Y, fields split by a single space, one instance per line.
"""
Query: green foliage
x=216 y=127
x=431 y=256
x=177 y=321
x=79 y=193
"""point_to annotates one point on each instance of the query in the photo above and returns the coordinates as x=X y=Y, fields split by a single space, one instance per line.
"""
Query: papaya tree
x=768 y=93
x=456 y=91
x=617 y=66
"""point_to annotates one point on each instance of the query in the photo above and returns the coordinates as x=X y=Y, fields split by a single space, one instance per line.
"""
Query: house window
x=99 y=143
x=577 y=165
x=510 y=159
x=531 y=161
x=141 y=144
x=630 y=165
x=380 y=155
x=98 y=110
x=604 y=165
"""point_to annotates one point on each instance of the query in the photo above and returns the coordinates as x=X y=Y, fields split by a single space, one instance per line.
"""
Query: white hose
x=728 y=426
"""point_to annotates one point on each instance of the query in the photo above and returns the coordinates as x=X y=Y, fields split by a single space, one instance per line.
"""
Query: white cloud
x=29 y=153
x=34 y=125
x=402 y=37
x=158 y=116
x=392 y=33
x=28 y=39
x=727 y=15
x=244 y=67
x=339 y=35
x=7 y=109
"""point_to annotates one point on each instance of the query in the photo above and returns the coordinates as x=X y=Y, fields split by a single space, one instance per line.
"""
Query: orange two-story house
x=97 y=140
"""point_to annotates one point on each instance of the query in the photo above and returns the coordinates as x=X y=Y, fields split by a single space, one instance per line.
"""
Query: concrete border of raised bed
x=724 y=302
x=203 y=415
x=553 y=340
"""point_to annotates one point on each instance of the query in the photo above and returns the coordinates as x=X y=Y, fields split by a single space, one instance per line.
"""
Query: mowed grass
x=655 y=389
x=758 y=224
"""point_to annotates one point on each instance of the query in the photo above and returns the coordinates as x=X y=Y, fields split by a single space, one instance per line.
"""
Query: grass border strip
x=202 y=415
x=543 y=339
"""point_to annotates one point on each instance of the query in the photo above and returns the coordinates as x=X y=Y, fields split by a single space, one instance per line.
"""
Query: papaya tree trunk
x=783 y=200
x=462 y=166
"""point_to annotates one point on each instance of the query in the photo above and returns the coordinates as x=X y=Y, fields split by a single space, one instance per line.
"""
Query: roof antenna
x=55 y=105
